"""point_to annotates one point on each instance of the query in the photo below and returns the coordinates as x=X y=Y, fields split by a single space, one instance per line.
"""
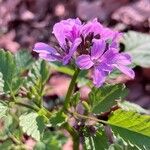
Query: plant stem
x=70 y=89
x=27 y=106
x=71 y=130
x=87 y=117
x=74 y=134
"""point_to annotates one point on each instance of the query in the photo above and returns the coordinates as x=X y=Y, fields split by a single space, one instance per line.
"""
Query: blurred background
x=24 y=22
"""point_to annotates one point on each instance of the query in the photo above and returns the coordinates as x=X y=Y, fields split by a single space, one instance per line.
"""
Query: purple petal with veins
x=84 y=62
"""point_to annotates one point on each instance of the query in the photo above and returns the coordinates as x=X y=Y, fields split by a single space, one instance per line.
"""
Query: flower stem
x=74 y=134
x=70 y=89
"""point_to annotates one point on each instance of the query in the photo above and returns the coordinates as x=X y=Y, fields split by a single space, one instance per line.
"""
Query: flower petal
x=98 y=77
x=84 y=62
x=91 y=27
x=43 y=48
x=46 y=52
x=105 y=67
x=109 y=56
x=63 y=29
x=73 y=48
x=126 y=70
x=97 y=49
x=124 y=59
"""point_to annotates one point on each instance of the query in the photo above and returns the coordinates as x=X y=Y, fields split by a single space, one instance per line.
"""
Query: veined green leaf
x=7 y=68
x=138 y=46
x=132 y=127
x=32 y=124
x=105 y=97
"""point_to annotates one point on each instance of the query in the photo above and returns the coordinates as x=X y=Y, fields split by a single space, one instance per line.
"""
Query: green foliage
x=128 y=106
x=7 y=145
x=37 y=77
x=120 y=144
x=102 y=99
x=97 y=141
x=7 y=68
x=132 y=127
x=75 y=99
x=51 y=140
x=138 y=46
x=3 y=109
x=38 y=74
x=58 y=118
x=32 y=124
x=23 y=60
x=11 y=68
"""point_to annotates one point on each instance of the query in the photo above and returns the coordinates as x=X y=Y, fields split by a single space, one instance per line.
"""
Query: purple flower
x=91 y=45
x=67 y=33
x=103 y=61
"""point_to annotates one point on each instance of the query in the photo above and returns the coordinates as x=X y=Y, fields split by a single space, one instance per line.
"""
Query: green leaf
x=57 y=119
x=32 y=124
x=3 y=109
x=44 y=72
x=23 y=60
x=120 y=144
x=103 y=98
x=75 y=98
x=37 y=77
x=128 y=106
x=97 y=141
x=51 y=140
x=100 y=140
x=7 y=68
x=132 y=127
x=38 y=74
x=138 y=46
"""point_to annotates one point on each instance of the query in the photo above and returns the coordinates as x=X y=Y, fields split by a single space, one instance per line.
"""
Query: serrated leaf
x=3 y=109
x=128 y=106
x=39 y=73
x=132 y=127
x=57 y=119
x=7 y=68
x=51 y=140
x=138 y=46
x=120 y=144
x=103 y=98
x=23 y=60
x=32 y=124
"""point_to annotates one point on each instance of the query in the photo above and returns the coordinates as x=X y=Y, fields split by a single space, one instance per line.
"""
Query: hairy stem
x=70 y=89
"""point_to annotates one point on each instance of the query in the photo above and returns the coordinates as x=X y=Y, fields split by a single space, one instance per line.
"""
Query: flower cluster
x=90 y=45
